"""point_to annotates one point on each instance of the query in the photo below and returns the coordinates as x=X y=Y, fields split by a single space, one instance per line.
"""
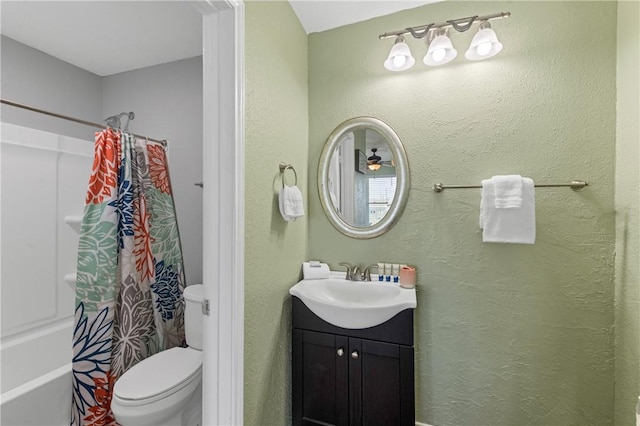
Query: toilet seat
x=159 y=376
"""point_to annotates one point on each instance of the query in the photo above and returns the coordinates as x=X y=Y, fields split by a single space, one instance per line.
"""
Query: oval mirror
x=363 y=177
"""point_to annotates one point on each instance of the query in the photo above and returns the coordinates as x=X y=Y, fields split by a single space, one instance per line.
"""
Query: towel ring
x=283 y=168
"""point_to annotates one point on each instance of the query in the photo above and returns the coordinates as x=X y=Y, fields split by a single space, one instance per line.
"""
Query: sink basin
x=354 y=304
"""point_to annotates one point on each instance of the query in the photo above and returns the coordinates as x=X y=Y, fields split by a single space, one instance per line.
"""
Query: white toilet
x=166 y=388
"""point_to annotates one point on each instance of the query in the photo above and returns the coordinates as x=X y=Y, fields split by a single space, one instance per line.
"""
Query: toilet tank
x=193 y=295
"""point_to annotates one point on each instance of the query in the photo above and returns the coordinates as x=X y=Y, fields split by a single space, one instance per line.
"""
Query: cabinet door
x=387 y=384
x=320 y=391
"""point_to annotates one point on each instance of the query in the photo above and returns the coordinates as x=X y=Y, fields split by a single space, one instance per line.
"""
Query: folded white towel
x=508 y=225
x=486 y=196
x=290 y=203
x=508 y=191
x=316 y=272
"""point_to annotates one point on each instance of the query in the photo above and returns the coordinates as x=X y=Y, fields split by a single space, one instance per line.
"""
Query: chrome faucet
x=354 y=273
x=366 y=274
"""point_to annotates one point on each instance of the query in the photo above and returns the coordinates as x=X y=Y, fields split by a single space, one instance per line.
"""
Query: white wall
x=38 y=248
x=31 y=77
x=627 y=189
x=45 y=168
x=167 y=100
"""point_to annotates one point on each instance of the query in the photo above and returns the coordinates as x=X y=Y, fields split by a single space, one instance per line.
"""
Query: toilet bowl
x=166 y=388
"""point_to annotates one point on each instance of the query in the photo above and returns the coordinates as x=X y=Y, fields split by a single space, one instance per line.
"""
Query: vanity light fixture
x=484 y=45
x=440 y=51
x=373 y=162
x=399 y=58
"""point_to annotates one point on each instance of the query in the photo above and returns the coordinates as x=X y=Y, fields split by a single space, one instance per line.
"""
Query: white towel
x=510 y=225
x=318 y=271
x=508 y=191
x=290 y=203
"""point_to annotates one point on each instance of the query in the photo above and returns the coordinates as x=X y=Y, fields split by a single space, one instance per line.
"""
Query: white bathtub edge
x=34 y=384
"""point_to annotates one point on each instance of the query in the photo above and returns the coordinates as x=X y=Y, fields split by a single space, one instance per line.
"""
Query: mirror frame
x=402 y=173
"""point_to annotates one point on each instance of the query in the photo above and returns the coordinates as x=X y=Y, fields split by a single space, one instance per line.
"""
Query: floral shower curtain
x=130 y=274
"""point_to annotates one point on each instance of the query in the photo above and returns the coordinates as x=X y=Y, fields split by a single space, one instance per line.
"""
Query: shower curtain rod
x=75 y=120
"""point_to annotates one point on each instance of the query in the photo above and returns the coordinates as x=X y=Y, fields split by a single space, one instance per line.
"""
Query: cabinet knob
x=354 y=354
x=340 y=352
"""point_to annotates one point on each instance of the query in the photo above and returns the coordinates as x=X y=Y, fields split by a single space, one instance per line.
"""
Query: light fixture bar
x=460 y=25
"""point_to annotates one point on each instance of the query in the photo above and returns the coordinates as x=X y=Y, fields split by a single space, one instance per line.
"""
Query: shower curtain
x=130 y=274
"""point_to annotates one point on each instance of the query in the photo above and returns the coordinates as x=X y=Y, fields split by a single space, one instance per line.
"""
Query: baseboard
x=422 y=424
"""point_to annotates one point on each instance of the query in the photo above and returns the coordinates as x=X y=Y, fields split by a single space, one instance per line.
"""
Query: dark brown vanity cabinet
x=352 y=377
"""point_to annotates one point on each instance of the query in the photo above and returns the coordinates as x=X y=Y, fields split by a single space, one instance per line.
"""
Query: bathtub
x=36 y=378
x=44 y=178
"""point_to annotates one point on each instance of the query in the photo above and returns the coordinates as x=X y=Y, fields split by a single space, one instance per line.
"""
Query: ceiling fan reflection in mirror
x=374 y=162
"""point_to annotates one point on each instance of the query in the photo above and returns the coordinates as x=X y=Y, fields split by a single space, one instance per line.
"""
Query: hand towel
x=510 y=225
x=319 y=272
x=290 y=203
x=508 y=189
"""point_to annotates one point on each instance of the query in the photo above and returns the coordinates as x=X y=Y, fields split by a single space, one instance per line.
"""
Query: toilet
x=166 y=388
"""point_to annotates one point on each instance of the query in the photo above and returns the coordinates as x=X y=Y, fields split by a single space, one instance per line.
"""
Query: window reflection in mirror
x=362 y=178
x=381 y=194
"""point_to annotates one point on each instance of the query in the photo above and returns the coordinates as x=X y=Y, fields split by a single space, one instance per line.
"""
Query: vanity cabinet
x=352 y=377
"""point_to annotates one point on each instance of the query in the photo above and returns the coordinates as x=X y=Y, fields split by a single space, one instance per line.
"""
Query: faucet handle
x=366 y=274
x=349 y=268
x=356 y=275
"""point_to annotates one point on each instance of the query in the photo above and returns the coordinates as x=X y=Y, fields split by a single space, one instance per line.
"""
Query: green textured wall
x=276 y=101
x=505 y=334
x=627 y=219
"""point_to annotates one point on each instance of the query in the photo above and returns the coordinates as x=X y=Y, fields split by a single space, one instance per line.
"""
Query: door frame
x=223 y=210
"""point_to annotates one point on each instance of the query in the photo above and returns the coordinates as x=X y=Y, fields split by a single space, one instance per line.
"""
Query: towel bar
x=283 y=168
x=576 y=185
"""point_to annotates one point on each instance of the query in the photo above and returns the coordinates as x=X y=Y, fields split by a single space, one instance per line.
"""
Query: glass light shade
x=374 y=166
x=484 y=45
x=399 y=58
x=440 y=52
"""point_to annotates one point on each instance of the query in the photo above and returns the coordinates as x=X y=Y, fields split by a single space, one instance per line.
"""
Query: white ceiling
x=109 y=37
x=322 y=15
x=106 y=37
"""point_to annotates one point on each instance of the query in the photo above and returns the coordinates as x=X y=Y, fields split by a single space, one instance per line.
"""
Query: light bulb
x=438 y=54
x=483 y=48
x=484 y=45
x=399 y=60
x=440 y=51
